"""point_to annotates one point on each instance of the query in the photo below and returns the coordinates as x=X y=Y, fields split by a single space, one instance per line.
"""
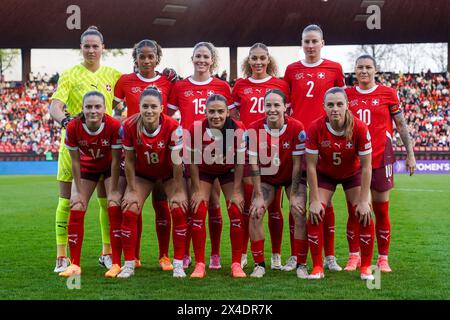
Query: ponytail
x=349 y=123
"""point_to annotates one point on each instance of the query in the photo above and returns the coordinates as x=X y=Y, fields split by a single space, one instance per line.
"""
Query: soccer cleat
x=178 y=271
x=165 y=264
x=291 y=264
x=137 y=264
x=71 y=270
x=243 y=261
x=61 y=264
x=275 y=261
x=127 y=270
x=258 y=272
x=316 y=274
x=236 y=271
x=331 y=264
x=302 y=271
x=105 y=260
x=199 y=271
x=187 y=261
x=113 y=272
x=383 y=265
x=354 y=261
x=366 y=274
x=214 y=262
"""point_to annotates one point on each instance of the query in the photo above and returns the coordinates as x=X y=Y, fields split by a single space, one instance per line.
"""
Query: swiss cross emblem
x=321 y=75
x=349 y=145
x=375 y=102
x=189 y=93
x=108 y=87
x=161 y=144
x=105 y=142
x=286 y=145
x=210 y=92
x=299 y=76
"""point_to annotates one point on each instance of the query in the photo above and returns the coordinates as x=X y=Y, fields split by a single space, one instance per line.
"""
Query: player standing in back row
x=308 y=80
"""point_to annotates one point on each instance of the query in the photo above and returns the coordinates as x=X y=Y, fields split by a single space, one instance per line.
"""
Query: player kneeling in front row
x=338 y=151
x=276 y=147
x=217 y=146
x=94 y=142
x=152 y=143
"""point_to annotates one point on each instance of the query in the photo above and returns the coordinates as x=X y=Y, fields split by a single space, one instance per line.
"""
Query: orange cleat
x=165 y=264
x=354 y=261
x=113 y=272
x=199 y=271
x=316 y=274
x=236 y=271
x=71 y=270
x=383 y=264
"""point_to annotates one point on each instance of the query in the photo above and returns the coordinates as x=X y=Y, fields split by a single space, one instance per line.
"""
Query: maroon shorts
x=328 y=183
x=382 y=178
x=223 y=178
x=152 y=178
x=95 y=176
x=273 y=181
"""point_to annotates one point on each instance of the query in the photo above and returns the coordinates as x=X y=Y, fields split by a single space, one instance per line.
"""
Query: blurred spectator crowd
x=26 y=126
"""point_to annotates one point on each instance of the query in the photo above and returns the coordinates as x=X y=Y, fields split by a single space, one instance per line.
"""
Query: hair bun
x=93 y=28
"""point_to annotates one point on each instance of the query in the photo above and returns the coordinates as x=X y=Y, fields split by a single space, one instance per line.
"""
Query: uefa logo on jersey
x=302 y=136
x=375 y=102
x=321 y=75
x=189 y=93
x=299 y=76
x=108 y=87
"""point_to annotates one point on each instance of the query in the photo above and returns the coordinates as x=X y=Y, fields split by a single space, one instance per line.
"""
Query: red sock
x=179 y=232
x=129 y=234
x=352 y=229
x=138 y=237
x=315 y=240
x=301 y=250
x=199 y=232
x=291 y=234
x=382 y=226
x=76 y=234
x=257 y=248
x=236 y=232
x=248 y=192
x=276 y=222
x=163 y=226
x=366 y=240
x=187 y=245
x=115 y=233
x=215 y=229
x=328 y=232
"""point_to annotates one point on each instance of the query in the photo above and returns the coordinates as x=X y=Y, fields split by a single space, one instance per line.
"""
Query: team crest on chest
x=299 y=76
x=349 y=145
x=354 y=102
x=105 y=142
x=161 y=144
x=210 y=92
x=135 y=90
x=189 y=93
x=108 y=87
x=375 y=102
x=82 y=143
x=325 y=143
x=286 y=145
x=321 y=75
x=248 y=91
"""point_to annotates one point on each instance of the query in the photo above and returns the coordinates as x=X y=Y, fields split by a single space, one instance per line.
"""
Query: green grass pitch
x=420 y=216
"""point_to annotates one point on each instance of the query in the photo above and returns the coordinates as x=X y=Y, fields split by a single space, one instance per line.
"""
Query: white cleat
x=62 y=263
x=258 y=272
x=178 y=270
x=331 y=264
x=127 y=270
x=366 y=274
x=291 y=264
x=105 y=260
x=243 y=261
x=316 y=274
x=302 y=271
x=275 y=261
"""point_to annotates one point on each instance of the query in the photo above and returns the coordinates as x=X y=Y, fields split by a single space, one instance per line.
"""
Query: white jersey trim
x=71 y=148
x=363 y=153
x=96 y=133
x=154 y=134
x=171 y=106
x=253 y=80
x=362 y=91
x=142 y=78
x=336 y=133
x=200 y=83
x=273 y=134
x=312 y=151
x=128 y=148
x=118 y=99
x=311 y=65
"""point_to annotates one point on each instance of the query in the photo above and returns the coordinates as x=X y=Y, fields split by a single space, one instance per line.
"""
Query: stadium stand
x=27 y=131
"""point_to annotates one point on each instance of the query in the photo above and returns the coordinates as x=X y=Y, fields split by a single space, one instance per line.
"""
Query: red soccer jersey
x=308 y=84
x=190 y=96
x=95 y=147
x=248 y=96
x=338 y=157
x=275 y=149
x=130 y=86
x=153 y=151
x=376 y=107
x=206 y=147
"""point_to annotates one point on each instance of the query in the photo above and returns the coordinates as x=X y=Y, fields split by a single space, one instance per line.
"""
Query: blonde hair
x=214 y=54
x=349 y=121
x=272 y=68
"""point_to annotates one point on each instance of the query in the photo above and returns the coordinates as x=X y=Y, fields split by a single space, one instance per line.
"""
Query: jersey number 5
x=337 y=158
